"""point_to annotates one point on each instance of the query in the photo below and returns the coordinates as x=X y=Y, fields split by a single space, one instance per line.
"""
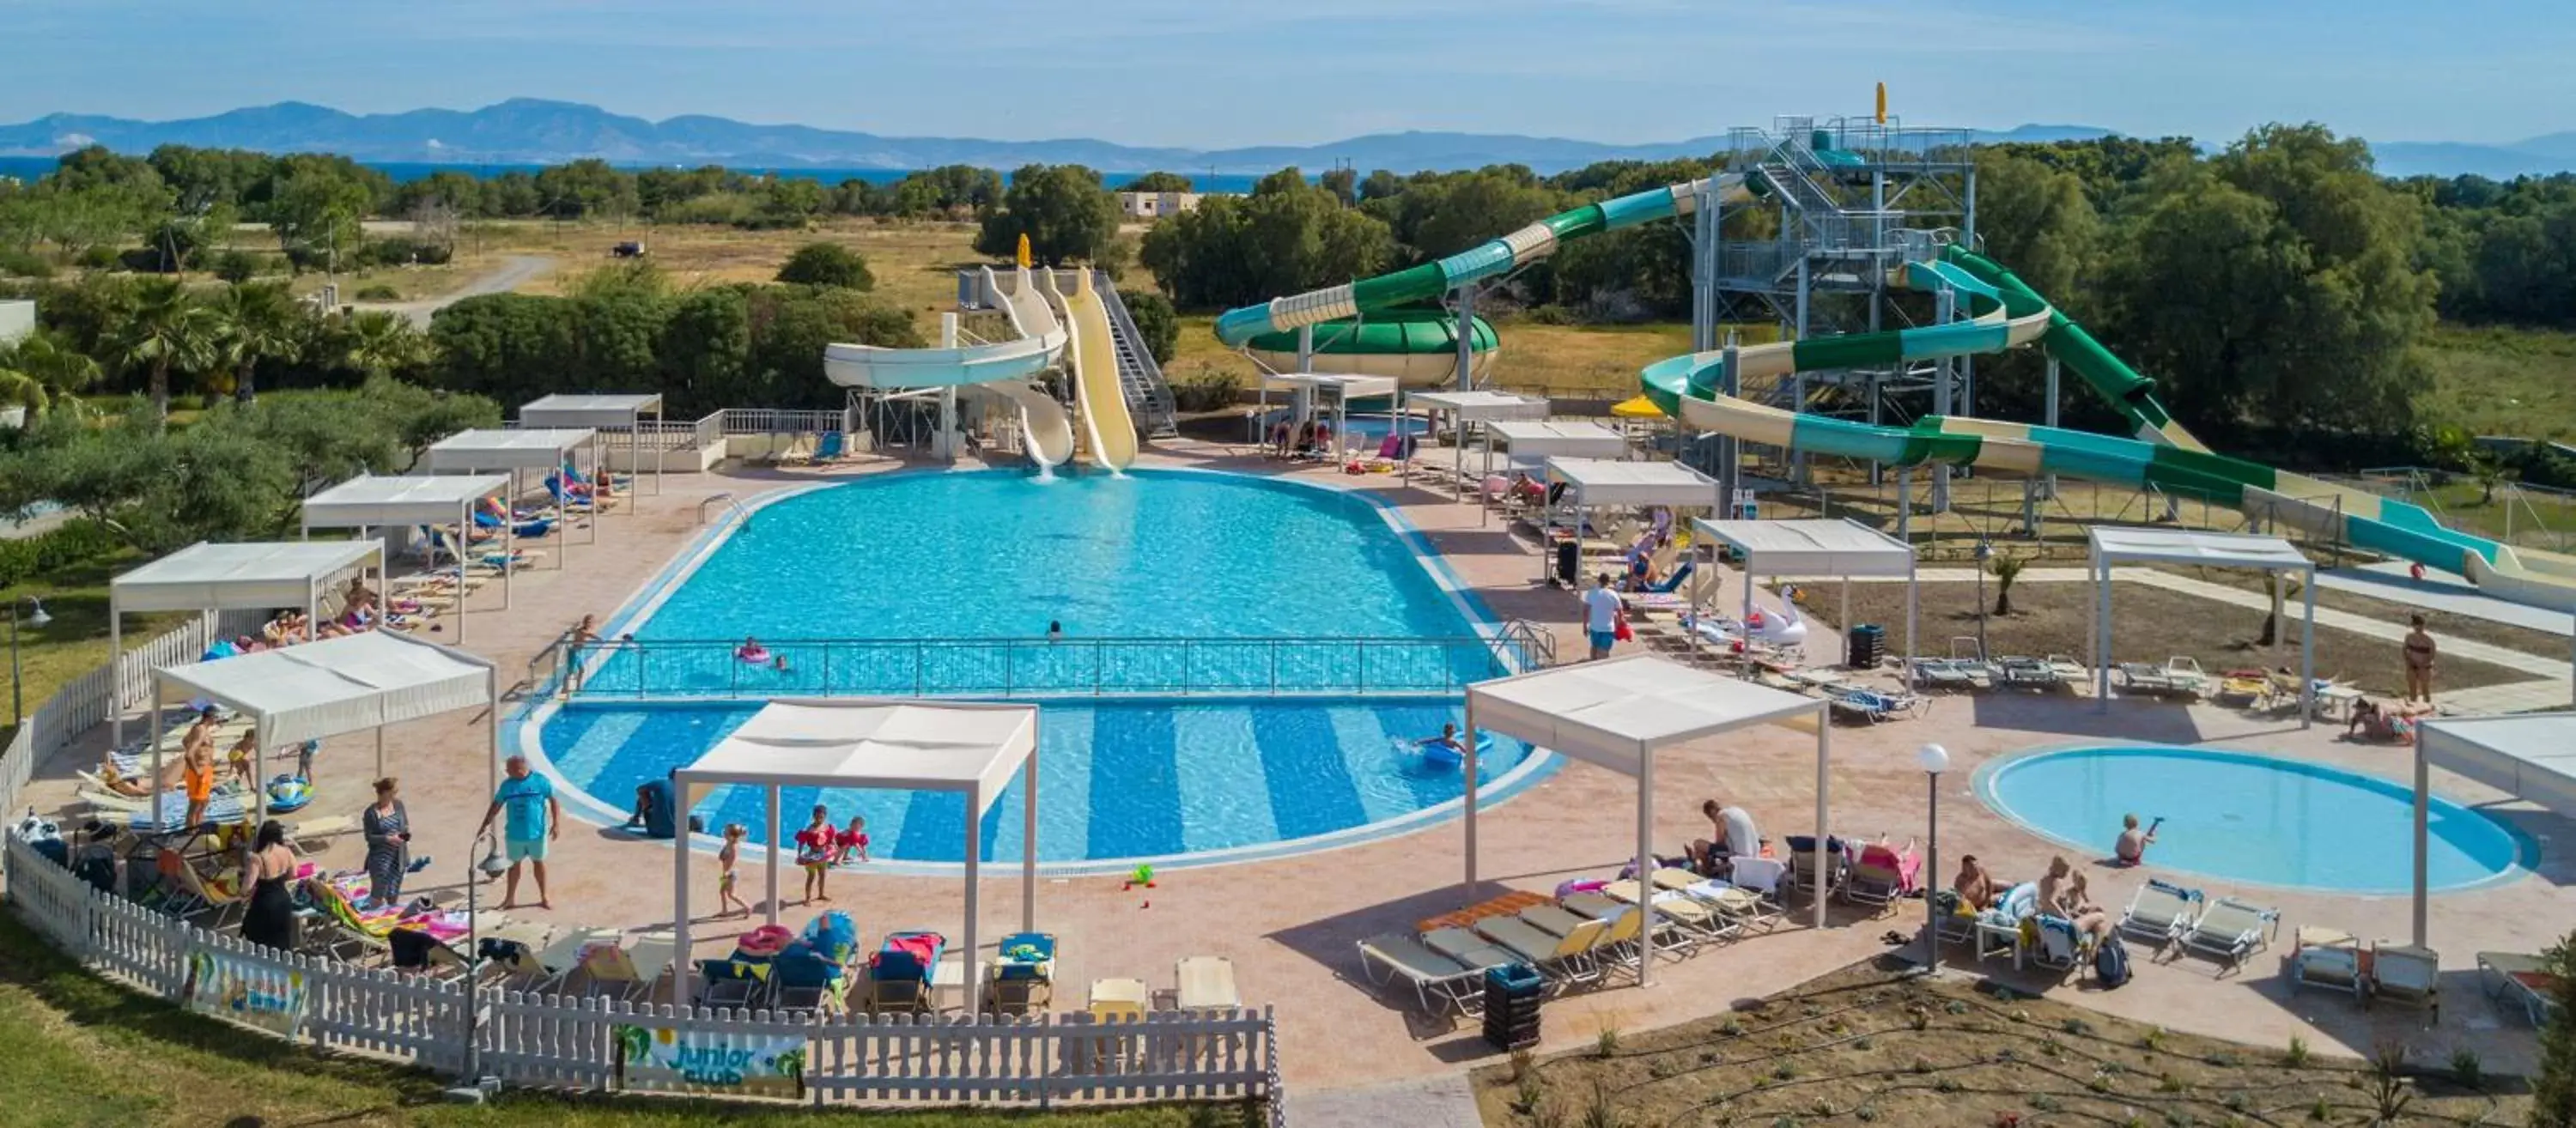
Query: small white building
x=17 y=320
x=1155 y=205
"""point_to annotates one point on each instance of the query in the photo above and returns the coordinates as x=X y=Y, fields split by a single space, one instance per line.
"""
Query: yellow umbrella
x=1024 y=250
x=1638 y=408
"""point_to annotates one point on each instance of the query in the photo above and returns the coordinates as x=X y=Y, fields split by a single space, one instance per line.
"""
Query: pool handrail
x=1019 y=666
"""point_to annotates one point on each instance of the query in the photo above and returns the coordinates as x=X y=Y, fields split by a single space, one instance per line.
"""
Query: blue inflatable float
x=1438 y=755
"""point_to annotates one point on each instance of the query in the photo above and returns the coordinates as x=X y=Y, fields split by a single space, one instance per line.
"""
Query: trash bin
x=1512 y=994
x=1569 y=563
x=1865 y=646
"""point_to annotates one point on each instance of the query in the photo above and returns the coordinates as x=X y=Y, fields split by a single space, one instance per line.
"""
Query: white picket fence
x=572 y=1043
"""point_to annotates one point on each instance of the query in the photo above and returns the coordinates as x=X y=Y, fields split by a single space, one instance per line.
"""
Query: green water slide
x=2006 y=314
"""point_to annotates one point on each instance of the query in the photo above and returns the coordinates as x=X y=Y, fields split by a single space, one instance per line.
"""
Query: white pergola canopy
x=2531 y=757
x=1617 y=713
x=964 y=747
x=367 y=503
x=2215 y=550
x=497 y=449
x=1602 y=481
x=214 y=577
x=1545 y=439
x=623 y=412
x=335 y=686
x=602 y=412
x=1484 y=407
x=224 y=577
x=1839 y=549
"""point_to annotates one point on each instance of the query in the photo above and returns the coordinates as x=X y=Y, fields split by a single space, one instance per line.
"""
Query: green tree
x=2304 y=293
x=585 y=189
x=827 y=264
x=168 y=330
x=1158 y=182
x=253 y=322
x=1343 y=183
x=46 y=359
x=1286 y=236
x=1063 y=210
x=949 y=191
x=1155 y=320
x=316 y=210
x=387 y=344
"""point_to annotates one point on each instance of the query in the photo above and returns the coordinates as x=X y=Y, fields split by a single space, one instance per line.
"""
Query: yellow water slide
x=1098 y=397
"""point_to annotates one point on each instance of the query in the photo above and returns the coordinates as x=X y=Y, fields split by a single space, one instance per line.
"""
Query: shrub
x=1205 y=388
x=97 y=258
x=2467 y=1069
x=25 y=264
x=236 y=266
x=2298 y=1053
x=827 y=264
x=379 y=292
x=1155 y=321
x=399 y=250
x=77 y=541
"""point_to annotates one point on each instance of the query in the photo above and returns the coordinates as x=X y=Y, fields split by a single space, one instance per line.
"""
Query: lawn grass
x=2500 y=381
x=1875 y=1043
x=76 y=641
x=81 y=1051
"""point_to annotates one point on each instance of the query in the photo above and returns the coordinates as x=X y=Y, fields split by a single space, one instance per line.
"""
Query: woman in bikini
x=2420 y=652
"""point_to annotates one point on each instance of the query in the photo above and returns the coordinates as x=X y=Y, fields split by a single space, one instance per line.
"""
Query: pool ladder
x=1530 y=643
x=729 y=503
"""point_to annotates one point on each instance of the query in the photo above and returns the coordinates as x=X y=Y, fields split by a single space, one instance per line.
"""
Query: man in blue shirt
x=535 y=821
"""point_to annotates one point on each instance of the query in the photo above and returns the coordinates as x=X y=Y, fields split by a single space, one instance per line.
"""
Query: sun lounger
x=1694 y=921
x=1882 y=876
x=1872 y=706
x=835 y=447
x=2230 y=930
x=1999 y=929
x=2243 y=689
x=1807 y=870
x=1741 y=907
x=1568 y=958
x=899 y=973
x=2406 y=974
x=2028 y=673
x=1948 y=673
x=1204 y=983
x=2522 y=979
x=1469 y=948
x=2068 y=670
x=1023 y=972
x=1438 y=982
x=2060 y=948
x=2323 y=957
x=2159 y=912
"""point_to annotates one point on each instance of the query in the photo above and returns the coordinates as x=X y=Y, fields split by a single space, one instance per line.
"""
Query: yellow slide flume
x=1097 y=394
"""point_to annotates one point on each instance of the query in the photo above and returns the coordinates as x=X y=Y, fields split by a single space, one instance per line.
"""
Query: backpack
x=2111 y=963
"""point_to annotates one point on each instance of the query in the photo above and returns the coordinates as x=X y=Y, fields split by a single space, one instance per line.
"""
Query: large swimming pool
x=1243 y=662
x=2253 y=818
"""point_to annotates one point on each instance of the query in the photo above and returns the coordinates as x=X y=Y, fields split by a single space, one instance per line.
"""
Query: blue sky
x=1215 y=73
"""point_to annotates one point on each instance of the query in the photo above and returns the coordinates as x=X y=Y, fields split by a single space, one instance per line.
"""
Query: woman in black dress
x=265 y=872
x=388 y=829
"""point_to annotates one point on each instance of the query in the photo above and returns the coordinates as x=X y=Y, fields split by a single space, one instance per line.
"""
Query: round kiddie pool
x=2252 y=818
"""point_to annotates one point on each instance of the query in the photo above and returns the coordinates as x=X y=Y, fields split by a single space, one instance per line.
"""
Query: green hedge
x=77 y=541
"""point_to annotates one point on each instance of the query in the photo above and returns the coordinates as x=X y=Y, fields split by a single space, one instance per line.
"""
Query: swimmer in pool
x=1448 y=739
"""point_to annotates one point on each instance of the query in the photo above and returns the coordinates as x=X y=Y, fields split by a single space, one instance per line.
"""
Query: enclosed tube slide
x=2009 y=314
x=1487 y=260
x=1005 y=368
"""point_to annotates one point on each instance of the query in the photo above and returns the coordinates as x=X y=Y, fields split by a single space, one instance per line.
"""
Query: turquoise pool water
x=962 y=560
x=2248 y=817
x=1125 y=779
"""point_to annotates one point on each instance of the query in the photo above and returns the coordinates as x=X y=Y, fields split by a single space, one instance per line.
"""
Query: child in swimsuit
x=814 y=850
x=725 y=858
x=854 y=841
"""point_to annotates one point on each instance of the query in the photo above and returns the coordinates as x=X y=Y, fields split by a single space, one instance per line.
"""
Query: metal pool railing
x=1026 y=667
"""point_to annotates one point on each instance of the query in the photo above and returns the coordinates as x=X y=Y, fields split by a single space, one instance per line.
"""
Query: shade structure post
x=509 y=543
x=492 y=760
x=1029 y=842
x=2420 y=832
x=1913 y=614
x=1646 y=865
x=770 y=812
x=2308 y=653
x=974 y=887
x=258 y=772
x=2102 y=627
x=681 y=964
x=380 y=753
x=116 y=682
x=1472 y=772
x=1845 y=618
x=1824 y=788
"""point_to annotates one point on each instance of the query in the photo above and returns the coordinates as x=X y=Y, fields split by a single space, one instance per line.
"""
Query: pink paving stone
x=1289 y=924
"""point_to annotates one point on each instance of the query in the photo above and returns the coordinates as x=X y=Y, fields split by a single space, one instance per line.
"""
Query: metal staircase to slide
x=1149 y=398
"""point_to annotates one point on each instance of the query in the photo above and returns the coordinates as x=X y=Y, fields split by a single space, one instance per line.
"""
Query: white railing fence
x=569 y=1042
x=576 y=1043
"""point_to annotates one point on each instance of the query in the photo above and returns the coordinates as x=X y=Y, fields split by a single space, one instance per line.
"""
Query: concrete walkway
x=514 y=272
x=1444 y=1101
x=2443 y=591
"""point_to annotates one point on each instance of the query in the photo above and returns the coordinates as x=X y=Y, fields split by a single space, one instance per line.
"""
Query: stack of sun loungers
x=2017 y=672
x=1592 y=931
x=2180 y=676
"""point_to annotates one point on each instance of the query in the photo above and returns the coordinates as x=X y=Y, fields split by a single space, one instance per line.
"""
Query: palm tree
x=381 y=342
x=255 y=321
x=2006 y=569
x=52 y=364
x=2280 y=588
x=167 y=329
x=17 y=389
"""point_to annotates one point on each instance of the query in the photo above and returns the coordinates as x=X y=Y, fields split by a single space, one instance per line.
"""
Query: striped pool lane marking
x=1135 y=781
x=1309 y=781
x=603 y=735
x=1225 y=793
x=1362 y=733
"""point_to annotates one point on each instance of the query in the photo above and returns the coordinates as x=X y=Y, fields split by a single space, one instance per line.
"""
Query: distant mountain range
x=535 y=131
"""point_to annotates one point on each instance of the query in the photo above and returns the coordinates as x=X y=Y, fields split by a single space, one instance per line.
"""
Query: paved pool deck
x=1289 y=924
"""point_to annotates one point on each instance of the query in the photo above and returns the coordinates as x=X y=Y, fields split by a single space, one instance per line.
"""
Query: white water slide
x=1095 y=369
x=1005 y=368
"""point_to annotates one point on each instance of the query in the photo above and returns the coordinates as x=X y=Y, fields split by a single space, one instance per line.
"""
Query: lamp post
x=35 y=621
x=490 y=867
x=1934 y=760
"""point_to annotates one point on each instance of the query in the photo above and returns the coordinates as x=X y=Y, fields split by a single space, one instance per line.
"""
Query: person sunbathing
x=1975 y=887
x=2061 y=894
x=119 y=783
